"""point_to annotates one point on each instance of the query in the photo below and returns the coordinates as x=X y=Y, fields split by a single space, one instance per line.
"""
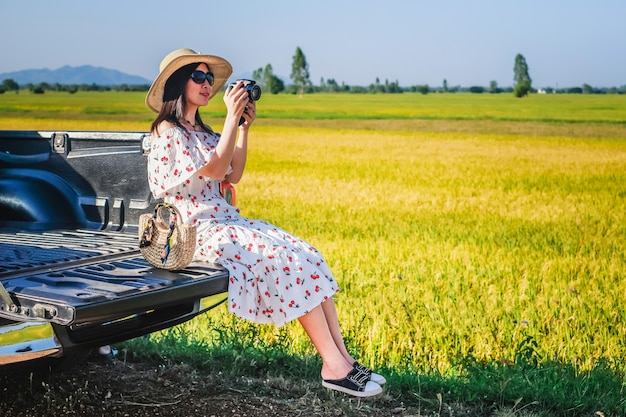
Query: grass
x=479 y=240
x=126 y=107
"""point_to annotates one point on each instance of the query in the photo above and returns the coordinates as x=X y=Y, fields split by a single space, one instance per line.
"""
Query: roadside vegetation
x=479 y=241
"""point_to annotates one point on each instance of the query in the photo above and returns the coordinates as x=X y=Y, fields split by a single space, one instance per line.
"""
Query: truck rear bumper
x=20 y=342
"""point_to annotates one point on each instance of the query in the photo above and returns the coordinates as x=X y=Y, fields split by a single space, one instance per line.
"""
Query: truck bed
x=71 y=274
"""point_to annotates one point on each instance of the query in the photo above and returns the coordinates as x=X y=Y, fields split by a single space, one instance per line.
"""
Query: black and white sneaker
x=356 y=383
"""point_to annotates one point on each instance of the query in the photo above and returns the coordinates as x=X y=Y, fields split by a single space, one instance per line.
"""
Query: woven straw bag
x=166 y=244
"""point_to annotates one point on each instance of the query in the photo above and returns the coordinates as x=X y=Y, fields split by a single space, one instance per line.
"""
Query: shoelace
x=359 y=377
x=363 y=369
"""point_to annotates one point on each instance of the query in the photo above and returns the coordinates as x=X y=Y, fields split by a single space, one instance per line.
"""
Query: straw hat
x=220 y=68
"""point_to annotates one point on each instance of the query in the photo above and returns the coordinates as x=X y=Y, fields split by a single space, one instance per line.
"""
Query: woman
x=274 y=277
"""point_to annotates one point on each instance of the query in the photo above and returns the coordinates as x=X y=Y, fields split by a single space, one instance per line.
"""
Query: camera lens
x=255 y=92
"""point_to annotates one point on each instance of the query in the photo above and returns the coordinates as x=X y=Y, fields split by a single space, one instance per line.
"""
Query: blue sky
x=565 y=42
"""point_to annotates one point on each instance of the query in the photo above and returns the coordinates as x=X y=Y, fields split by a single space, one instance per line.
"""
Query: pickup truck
x=71 y=274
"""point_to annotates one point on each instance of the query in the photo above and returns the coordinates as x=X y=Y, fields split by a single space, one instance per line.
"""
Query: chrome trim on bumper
x=26 y=341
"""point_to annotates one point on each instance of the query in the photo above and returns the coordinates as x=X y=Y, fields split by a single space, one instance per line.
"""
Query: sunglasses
x=200 y=77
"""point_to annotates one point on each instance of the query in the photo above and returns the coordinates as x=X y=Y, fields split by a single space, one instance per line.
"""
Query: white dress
x=275 y=277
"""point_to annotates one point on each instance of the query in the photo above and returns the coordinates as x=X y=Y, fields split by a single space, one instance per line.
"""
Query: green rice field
x=468 y=232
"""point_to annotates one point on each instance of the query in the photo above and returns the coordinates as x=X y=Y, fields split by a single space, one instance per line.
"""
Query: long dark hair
x=173 y=108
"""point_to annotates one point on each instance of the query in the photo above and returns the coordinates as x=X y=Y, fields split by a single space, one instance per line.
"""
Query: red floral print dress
x=275 y=277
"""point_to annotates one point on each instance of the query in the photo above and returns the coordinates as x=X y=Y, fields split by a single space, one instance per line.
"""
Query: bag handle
x=173 y=210
x=156 y=221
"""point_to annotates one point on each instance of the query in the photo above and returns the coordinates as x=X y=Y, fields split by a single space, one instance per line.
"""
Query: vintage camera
x=254 y=92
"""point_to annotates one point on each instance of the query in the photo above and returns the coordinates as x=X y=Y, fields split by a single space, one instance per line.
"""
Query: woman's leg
x=330 y=312
x=338 y=373
x=334 y=363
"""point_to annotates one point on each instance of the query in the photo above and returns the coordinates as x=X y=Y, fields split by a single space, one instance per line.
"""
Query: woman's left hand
x=249 y=114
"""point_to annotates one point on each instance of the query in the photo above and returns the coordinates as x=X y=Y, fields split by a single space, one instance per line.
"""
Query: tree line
x=302 y=84
x=10 y=85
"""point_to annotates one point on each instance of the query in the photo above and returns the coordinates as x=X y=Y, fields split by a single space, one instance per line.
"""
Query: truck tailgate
x=78 y=277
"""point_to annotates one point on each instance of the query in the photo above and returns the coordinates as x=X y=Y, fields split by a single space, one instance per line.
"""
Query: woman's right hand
x=236 y=99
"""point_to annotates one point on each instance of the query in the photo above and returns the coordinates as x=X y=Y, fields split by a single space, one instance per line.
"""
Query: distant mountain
x=85 y=74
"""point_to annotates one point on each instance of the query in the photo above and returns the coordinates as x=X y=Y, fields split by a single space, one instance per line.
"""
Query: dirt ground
x=126 y=389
